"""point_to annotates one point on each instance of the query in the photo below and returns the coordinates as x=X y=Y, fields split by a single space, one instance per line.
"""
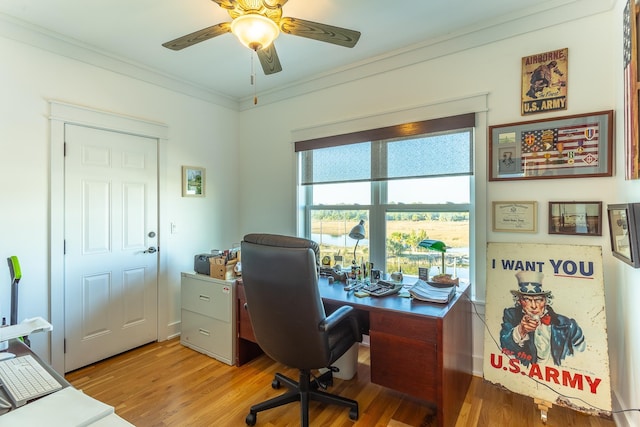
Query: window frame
x=379 y=191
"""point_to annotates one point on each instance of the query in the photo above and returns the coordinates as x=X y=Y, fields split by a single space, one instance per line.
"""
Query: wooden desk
x=420 y=349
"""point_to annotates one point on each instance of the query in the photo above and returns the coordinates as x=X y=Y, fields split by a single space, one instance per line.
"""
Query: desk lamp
x=435 y=245
x=357 y=233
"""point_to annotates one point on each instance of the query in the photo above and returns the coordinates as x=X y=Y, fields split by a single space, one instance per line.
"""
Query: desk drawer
x=208 y=298
x=412 y=327
x=245 y=330
x=406 y=365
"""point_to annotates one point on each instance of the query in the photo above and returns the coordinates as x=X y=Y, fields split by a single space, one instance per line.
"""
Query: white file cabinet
x=208 y=316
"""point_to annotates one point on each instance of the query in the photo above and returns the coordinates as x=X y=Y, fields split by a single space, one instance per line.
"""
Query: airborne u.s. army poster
x=546 y=331
x=544 y=82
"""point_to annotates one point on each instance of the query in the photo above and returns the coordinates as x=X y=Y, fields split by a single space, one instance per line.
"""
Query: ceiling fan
x=257 y=23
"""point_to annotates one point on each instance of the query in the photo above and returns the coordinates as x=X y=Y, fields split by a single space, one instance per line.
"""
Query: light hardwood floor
x=166 y=384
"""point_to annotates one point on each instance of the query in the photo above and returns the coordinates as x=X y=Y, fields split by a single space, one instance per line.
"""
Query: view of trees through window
x=404 y=231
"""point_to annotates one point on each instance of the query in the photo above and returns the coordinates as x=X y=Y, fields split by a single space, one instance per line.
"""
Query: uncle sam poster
x=546 y=331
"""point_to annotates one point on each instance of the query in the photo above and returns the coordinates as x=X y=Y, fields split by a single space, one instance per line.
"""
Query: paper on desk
x=65 y=408
x=112 y=420
x=24 y=328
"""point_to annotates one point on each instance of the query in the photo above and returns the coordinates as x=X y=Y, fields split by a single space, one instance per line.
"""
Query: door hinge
x=64 y=149
x=64 y=247
x=64 y=345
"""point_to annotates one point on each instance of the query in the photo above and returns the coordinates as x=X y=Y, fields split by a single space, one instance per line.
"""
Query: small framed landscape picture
x=576 y=218
x=193 y=181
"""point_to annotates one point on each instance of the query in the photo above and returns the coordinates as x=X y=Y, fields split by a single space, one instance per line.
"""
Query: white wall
x=200 y=134
x=268 y=161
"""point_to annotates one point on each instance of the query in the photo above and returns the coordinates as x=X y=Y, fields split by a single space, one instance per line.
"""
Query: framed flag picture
x=576 y=146
x=631 y=86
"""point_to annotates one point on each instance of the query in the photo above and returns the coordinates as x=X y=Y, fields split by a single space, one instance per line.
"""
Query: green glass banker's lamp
x=357 y=233
x=435 y=245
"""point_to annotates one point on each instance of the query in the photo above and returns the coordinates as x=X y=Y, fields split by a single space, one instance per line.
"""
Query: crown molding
x=23 y=32
x=547 y=14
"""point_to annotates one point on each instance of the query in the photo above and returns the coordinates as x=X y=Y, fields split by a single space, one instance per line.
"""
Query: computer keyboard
x=24 y=379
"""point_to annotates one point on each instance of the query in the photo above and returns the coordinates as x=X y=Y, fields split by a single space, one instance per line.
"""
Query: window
x=408 y=183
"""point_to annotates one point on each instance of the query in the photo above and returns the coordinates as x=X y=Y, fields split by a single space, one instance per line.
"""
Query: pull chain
x=254 y=81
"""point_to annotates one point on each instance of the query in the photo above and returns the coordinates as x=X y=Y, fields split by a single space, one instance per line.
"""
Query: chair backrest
x=280 y=277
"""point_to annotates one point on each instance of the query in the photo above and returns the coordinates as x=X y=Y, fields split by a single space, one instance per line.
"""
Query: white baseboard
x=172 y=331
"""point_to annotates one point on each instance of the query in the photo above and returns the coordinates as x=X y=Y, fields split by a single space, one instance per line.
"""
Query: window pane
x=445 y=154
x=330 y=230
x=451 y=189
x=337 y=164
x=348 y=193
x=406 y=229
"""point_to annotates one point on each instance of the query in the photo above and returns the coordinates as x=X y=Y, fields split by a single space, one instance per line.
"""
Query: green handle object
x=14 y=268
x=16 y=275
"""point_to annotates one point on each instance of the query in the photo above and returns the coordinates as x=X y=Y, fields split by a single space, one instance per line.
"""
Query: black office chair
x=280 y=276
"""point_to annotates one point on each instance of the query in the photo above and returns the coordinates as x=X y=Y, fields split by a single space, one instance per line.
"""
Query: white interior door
x=110 y=257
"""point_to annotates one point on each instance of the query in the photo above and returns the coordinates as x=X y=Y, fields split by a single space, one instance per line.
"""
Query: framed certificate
x=516 y=217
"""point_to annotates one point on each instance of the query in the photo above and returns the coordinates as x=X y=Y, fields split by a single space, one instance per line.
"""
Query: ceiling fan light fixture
x=255 y=31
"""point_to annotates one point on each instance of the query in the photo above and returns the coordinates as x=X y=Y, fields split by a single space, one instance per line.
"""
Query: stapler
x=330 y=272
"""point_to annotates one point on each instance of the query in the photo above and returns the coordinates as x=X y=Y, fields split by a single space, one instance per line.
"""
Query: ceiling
x=132 y=31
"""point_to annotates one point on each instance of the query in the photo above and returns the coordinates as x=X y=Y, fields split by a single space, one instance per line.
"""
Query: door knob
x=151 y=250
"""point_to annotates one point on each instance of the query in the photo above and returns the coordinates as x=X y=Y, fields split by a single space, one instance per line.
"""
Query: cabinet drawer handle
x=205 y=297
x=204 y=332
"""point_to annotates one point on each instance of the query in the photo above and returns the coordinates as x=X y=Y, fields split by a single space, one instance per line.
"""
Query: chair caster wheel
x=251 y=419
x=275 y=384
x=353 y=414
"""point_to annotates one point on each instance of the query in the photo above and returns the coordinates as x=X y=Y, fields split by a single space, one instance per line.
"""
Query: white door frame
x=61 y=113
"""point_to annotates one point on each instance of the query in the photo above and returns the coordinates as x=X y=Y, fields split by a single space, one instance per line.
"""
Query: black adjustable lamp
x=435 y=245
x=357 y=233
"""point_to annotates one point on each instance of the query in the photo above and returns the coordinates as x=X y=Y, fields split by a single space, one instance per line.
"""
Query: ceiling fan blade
x=198 y=36
x=322 y=32
x=269 y=60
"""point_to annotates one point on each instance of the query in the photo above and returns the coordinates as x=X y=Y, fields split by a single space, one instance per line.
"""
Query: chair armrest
x=335 y=318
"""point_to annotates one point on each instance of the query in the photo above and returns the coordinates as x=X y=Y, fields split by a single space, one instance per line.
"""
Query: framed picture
x=515 y=217
x=193 y=181
x=624 y=226
x=577 y=146
x=576 y=218
x=545 y=77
